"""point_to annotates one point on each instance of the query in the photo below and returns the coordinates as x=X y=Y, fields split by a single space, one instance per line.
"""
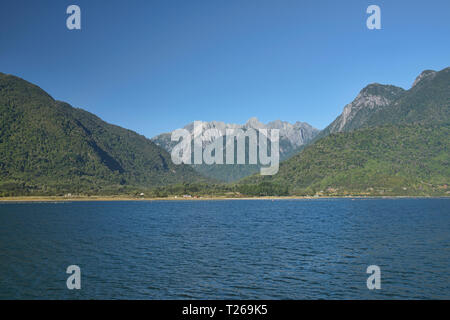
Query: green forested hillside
x=389 y=141
x=396 y=148
x=427 y=102
x=48 y=147
x=388 y=160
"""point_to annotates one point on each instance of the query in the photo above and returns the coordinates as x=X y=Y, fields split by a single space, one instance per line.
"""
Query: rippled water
x=256 y=249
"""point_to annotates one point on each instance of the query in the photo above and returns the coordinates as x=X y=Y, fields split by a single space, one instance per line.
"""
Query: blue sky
x=154 y=66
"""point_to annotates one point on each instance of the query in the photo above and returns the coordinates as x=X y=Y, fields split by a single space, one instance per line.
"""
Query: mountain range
x=292 y=137
x=388 y=141
x=379 y=104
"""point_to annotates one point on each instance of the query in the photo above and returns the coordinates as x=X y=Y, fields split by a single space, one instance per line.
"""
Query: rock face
x=379 y=104
x=390 y=142
x=355 y=114
x=292 y=137
x=364 y=100
x=295 y=135
x=425 y=75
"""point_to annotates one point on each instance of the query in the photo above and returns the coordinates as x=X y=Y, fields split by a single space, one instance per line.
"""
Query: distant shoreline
x=120 y=198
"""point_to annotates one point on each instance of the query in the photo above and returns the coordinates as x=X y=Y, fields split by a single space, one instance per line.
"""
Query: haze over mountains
x=388 y=141
x=292 y=137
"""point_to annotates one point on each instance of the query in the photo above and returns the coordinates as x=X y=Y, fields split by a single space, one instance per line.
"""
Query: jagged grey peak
x=369 y=99
x=296 y=134
x=427 y=74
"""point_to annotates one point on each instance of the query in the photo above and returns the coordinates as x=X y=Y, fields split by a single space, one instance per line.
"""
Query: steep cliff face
x=425 y=75
x=427 y=101
x=356 y=114
x=387 y=141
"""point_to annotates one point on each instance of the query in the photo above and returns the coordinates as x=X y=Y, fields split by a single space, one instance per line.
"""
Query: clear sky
x=155 y=65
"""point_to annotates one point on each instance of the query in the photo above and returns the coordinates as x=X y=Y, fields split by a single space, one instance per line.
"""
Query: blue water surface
x=235 y=249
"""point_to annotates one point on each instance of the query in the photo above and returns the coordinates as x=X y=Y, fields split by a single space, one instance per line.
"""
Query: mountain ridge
x=388 y=141
x=292 y=137
x=402 y=148
x=48 y=146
